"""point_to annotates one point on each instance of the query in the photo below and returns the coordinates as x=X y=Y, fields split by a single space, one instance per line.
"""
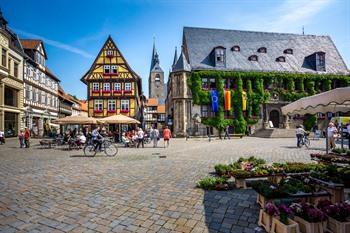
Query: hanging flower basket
x=278 y=227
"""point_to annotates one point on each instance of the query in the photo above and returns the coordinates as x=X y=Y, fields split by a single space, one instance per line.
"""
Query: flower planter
x=265 y=220
x=335 y=226
x=240 y=183
x=278 y=227
x=275 y=179
x=315 y=199
x=261 y=200
x=337 y=194
x=309 y=227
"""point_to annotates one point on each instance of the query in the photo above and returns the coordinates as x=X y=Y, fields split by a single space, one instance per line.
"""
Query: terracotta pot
x=265 y=220
x=309 y=227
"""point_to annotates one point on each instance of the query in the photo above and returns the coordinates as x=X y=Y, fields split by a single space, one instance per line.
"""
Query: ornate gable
x=109 y=64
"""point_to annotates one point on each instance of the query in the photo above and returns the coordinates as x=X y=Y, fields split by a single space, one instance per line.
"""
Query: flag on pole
x=227 y=100
x=214 y=101
x=244 y=101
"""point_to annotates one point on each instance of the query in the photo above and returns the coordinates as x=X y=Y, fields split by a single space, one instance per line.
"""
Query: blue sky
x=74 y=31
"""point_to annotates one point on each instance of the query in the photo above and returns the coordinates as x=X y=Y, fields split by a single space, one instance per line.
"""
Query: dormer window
x=320 y=61
x=109 y=53
x=288 y=51
x=253 y=58
x=106 y=69
x=281 y=59
x=236 y=48
x=262 y=50
x=220 y=53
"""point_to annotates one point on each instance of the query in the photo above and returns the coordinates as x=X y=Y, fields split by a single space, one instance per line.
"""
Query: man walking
x=140 y=137
x=27 y=137
x=227 y=135
x=300 y=134
x=155 y=136
x=167 y=136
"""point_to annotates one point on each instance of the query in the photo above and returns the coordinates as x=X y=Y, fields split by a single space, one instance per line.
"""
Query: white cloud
x=55 y=43
x=290 y=16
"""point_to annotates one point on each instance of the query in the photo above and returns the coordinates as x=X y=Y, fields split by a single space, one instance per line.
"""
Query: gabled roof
x=199 y=43
x=100 y=52
x=182 y=63
x=152 y=102
x=33 y=44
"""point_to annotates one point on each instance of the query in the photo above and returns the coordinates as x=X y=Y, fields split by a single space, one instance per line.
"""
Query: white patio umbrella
x=76 y=120
x=336 y=100
x=118 y=119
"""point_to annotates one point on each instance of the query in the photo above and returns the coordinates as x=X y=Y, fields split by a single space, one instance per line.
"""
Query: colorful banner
x=227 y=100
x=244 y=101
x=214 y=101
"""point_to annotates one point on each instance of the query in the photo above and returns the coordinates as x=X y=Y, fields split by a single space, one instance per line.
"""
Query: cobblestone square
x=51 y=190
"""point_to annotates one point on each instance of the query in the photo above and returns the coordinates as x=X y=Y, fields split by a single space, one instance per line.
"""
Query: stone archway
x=274 y=117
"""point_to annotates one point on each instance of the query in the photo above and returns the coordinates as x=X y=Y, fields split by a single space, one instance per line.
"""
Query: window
x=43 y=98
x=9 y=62
x=205 y=83
x=28 y=92
x=117 y=87
x=219 y=56
x=49 y=99
x=204 y=111
x=3 y=57
x=98 y=105
x=114 y=69
x=109 y=53
x=281 y=59
x=127 y=87
x=157 y=78
x=212 y=83
x=95 y=87
x=111 y=105
x=320 y=61
x=106 y=69
x=253 y=58
x=35 y=95
x=106 y=87
x=262 y=50
x=15 y=69
x=124 y=105
x=236 y=48
x=288 y=51
x=11 y=96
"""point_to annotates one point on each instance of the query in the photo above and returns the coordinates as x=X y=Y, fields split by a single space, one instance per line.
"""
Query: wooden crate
x=334 y=226
x=309 y=227
x=265 y=220
x=278 y=227
x=337 y=194
x=261 y=200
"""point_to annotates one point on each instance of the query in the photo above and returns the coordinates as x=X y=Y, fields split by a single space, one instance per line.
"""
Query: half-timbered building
x=112 y=86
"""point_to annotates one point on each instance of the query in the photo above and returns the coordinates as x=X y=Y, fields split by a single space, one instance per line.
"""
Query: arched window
x=253 y=58
x=262 y=50
x=288 y=51
x=281 y=59
x=236 y=48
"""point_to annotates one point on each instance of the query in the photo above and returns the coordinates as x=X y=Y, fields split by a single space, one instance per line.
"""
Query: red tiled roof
x=152 y=102
x=161 y=109
x=30 y=43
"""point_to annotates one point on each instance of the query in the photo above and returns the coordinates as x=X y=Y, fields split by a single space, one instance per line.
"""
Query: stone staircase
x=274 y=133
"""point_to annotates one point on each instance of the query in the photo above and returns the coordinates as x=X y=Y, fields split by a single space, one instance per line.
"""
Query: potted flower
x=267 y=192
x=282 y=223
x=338 y=215
x=310 y=219
x=265 y=216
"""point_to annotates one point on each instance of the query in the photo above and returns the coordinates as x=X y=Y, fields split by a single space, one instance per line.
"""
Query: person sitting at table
x=125 y=140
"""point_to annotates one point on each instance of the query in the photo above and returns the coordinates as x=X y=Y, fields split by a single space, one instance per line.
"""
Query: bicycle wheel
x=89 y=150
x=111 y=150
x=307 y=143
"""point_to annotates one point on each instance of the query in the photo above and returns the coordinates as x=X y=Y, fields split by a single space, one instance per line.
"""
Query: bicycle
x=305 y=140
x=107 y=147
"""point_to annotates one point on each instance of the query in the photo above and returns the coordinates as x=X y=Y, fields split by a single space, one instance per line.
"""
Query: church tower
x=156 y=78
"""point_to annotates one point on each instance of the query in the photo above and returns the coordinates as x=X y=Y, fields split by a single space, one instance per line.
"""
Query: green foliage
x=267 y=189
x=309 y=122
x=223 y=169
x=210 y=183
x=310 y=86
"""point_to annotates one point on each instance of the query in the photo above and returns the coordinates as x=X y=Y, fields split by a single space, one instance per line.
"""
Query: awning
x=76 y=120
x=118 y=119
x=336 y=100
x=54 y=125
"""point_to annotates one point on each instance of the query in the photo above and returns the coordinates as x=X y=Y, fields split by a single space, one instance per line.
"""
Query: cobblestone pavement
x=51 y=190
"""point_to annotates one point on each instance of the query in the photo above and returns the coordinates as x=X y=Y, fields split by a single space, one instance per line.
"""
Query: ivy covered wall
x=258 y=86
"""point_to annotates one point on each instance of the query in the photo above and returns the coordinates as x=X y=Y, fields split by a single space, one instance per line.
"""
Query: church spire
x=154 y=54
x=175 y=58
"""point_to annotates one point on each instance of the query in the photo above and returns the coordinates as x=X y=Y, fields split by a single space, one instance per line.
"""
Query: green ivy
x=255 y=92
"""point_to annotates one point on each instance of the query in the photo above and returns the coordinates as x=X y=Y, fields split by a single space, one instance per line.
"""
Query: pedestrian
x=97 y=138
x=2 y=137
x=21 y=138
x=27 y=137
x=300 y=132
x=154 y=136
x=166 y=136
x=348 y=129
x=140 y=138
x=227 y=135
x=331 y=134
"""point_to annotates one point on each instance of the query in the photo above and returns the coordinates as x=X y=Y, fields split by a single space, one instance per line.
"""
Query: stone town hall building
x=311 y=63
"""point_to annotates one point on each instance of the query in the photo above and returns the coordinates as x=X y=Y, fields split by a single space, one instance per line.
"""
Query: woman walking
x=21 y=138
x=155 y=136
x=27 y=137
x=167 y=136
